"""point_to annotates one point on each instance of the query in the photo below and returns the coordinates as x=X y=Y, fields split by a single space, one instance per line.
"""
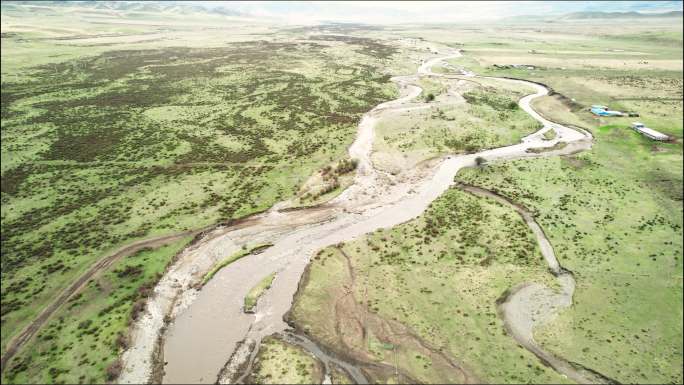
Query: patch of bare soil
x=539 y=150
x=574 y=162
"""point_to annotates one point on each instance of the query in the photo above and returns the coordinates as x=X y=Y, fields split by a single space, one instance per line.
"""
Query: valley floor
x=365 y=205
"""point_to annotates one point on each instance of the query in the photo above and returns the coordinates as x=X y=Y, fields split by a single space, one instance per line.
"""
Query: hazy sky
x=434 y=11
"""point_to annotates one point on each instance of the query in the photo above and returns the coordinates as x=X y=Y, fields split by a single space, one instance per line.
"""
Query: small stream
x=531 y=304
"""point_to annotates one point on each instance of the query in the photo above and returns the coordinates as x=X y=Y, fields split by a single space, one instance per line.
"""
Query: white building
x=648 y=132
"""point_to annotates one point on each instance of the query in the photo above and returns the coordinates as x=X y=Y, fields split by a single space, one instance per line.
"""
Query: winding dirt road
x=207 y=325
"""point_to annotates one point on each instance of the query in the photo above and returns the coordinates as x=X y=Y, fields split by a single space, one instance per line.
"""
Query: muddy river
x=207 y=324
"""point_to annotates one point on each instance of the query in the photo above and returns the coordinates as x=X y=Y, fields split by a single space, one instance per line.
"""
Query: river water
x=208 y=324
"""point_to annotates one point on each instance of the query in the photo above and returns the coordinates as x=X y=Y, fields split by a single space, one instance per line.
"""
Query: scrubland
x=109 y=137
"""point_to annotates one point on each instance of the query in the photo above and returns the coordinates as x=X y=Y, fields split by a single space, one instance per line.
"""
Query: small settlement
x=603 y=111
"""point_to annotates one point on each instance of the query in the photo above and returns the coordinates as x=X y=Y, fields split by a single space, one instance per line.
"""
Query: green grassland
x=128 y=123
x=614 y=217
x=90 y=168
x=488 y=116
x=105 y=143
x=279 y=362
x=614 y=213
x=81 y=342
x=431 y=87
x=634 y=67
x=44 y=34
x=436 y=278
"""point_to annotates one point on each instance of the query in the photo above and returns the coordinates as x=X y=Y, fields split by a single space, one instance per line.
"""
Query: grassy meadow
x=613 y=215
x=82 y=341
x=280 y=362
x=634 y=67
x=256 y=292
x=425 y=290
x=485 y=116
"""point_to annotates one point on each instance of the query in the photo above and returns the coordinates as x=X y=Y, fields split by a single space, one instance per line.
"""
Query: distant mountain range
x=590 y=15
x=277 y=10
x=137 y=6
x=623 y=15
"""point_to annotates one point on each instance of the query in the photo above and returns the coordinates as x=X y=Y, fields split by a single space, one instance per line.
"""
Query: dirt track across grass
x=20 y=339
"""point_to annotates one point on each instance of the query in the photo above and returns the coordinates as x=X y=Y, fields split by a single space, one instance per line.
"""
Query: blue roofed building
x=604 y=111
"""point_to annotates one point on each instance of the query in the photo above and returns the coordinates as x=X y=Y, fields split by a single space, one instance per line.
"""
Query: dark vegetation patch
x=656 y=37
x=495 y=100
x=340 y=28
x=12 y=179
x=370 y=47
x=89 y=187
x=666 y=183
